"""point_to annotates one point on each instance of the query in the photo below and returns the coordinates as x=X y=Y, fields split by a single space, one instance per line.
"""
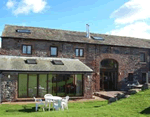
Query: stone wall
x=9 y=86
x=87 y=85
x=128 y=62
x=39 y=48
x=128 y=58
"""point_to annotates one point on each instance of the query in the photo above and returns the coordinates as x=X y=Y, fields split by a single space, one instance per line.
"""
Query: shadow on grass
x=27 y=109
x=97 y=106
x=100 y=106
x=146 y=111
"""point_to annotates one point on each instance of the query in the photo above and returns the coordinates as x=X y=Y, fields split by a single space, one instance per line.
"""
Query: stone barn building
x=35 y=61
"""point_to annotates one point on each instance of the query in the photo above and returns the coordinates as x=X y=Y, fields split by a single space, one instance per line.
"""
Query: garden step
x=107 y=94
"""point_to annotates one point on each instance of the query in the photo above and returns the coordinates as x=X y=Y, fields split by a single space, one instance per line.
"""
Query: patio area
x=72 y=100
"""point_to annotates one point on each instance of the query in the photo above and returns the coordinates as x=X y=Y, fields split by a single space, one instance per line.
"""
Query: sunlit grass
x=136 y=105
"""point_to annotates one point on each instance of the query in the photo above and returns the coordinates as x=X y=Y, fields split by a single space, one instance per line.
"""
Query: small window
x=53 y=51
x=98 y=38
x=79 y=52
x=31 y=61
x=130 y=77
x=142 y=57
x=26 y=49
x=57 y=62
x=23 y=31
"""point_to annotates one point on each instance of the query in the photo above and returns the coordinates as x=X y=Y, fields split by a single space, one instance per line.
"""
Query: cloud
x=27 y=6
x=131 y=19
x=10 y=4
x=137 y=29
x=132 y=11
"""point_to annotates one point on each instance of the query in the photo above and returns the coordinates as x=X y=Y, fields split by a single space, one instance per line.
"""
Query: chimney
x=87 y=31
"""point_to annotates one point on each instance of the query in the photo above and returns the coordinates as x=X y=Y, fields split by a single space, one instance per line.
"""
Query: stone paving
x=95 y=98
x=108 y=94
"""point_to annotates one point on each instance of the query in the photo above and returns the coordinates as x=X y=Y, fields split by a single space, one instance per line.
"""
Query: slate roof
x=16 y=63
x=72 y=36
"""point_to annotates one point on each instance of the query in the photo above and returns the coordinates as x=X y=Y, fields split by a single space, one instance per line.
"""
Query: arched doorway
x=108 y=74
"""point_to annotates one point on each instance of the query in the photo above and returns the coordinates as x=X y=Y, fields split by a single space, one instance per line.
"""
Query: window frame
x=56 y=51
x=47 y=84
x=144 y=56
x=79 y=52
x=27 y=49
x=27 y=31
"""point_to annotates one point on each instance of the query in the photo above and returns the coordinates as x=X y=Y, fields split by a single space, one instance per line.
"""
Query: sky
x=115 y=17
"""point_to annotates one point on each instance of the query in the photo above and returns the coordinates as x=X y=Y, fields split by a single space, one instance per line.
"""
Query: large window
x=26 y=49
x=22 y=81
x=37 y=85
x=142 y=57
x=78 y=84
x=32 y=85
x=53 y=51
x=79 y=52
x=42 y=90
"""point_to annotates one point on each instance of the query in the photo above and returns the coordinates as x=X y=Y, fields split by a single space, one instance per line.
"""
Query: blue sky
x=116 y=17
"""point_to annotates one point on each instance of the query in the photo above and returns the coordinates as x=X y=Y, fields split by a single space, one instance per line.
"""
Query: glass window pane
x=50 y=83
x=142 y=57
x=32 y=89
x=70 y=86
x=77 y=52
x=42 y=85
x=24 y=49
x=61 y=85
x=22 y=85
x=81 y=52
x=28 y=49
x=53 y=51
x=54 y=88
x=78 y=83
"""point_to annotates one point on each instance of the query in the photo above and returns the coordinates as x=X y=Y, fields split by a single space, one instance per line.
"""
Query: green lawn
x=137 y=105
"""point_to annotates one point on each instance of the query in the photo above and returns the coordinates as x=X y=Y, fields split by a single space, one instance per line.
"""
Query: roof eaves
x=121 y=45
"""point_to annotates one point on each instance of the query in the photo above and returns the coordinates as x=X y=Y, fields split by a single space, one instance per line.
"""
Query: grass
x=137 y=105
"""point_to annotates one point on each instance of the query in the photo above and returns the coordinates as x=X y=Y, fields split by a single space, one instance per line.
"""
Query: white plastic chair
x=65 y=102
x=48 y=101
x=57 y=105
x=38 y=102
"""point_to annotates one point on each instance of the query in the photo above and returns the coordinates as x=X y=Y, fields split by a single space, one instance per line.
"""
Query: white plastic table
x=52 y=99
